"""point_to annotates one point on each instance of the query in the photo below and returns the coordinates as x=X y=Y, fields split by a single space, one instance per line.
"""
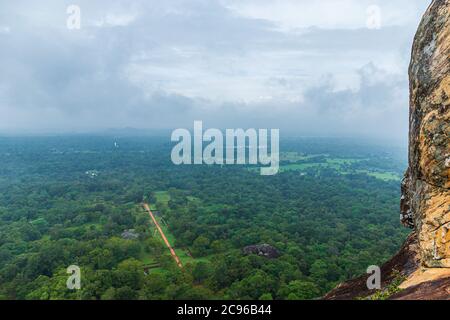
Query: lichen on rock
x=424 y=259
x=425 y=203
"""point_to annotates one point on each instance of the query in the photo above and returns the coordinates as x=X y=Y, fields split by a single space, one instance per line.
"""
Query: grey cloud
x=178 y=61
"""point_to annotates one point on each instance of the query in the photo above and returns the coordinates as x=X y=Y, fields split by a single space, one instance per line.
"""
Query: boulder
x=264 y=250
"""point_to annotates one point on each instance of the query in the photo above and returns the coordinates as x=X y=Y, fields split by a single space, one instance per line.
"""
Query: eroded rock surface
x=438 y=289
x=425 y=204
x=424 y=260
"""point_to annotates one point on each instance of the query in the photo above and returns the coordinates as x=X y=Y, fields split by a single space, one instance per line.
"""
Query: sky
x=314 y=68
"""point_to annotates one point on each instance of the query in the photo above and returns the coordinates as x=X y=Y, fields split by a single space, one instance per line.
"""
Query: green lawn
x=145 y=258
x=338 y=164
x=333 y=163
x=162 y=197
x=294 y=156
x=301 y=166
x=386 y=176
x=158 y=271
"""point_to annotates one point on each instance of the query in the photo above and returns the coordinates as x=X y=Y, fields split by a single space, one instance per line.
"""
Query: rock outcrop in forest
x=423 y=263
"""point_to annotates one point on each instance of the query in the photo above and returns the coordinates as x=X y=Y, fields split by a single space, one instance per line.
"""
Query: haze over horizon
x=307 y=68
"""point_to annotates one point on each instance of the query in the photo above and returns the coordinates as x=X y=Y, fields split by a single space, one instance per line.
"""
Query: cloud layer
x=306 y=67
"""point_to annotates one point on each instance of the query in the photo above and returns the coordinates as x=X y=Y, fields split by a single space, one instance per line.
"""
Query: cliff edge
x=423 y=263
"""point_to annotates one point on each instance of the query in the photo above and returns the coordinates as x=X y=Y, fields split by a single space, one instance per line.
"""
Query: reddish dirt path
x=172 y=252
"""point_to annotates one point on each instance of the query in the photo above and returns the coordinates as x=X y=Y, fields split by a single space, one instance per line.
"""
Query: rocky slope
x=417 y=283
x=426 y=187
x=424 y=260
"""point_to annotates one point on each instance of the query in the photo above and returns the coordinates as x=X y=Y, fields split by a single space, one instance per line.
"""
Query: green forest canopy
x=331 y=212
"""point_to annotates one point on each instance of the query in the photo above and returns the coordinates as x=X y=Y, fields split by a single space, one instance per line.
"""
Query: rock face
x=438 y=289
x=130 y=234
x=424 y=260
x=425 y=204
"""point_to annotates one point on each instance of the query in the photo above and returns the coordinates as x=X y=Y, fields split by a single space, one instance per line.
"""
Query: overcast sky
x=323 y=67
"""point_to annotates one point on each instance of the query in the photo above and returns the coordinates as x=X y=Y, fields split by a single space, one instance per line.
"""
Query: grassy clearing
x=145 y=258
x=343 y=166
x=301 y=166
x=385 y=176
x=340 y=161
x=162 y=198
x=330 y=163
x=184 y=257
x=158 y=271
x=294 y=156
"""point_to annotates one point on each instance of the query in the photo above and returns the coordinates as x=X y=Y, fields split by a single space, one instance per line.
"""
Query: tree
x=266 y=296
x=202 y=271
x=299 y=290
x=200 y=246
x=129 y=274
x=125 y=293
x=154 y=287
x=253 y=286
